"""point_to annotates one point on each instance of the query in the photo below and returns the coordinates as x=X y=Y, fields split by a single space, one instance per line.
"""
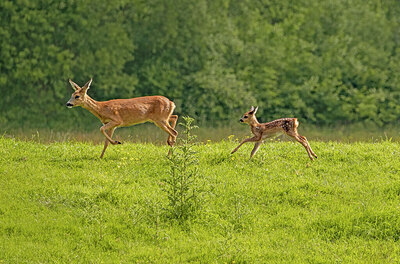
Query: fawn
x=261 y=131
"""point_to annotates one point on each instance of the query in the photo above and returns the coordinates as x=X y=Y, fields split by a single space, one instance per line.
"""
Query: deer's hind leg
x=164 y=125
x=308 y=144
x=302 y=140
x=172 y=120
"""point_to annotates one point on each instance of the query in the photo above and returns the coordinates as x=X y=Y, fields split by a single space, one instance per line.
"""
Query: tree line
x=326 y=62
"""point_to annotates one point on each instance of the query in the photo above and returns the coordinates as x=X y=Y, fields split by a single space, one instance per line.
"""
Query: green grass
x=149 y=133
x=60 y=203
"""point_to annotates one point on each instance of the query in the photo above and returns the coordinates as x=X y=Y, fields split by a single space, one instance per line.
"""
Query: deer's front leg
x=256 y=147
x=255 y=138
x=109 y=126
x=110 y=133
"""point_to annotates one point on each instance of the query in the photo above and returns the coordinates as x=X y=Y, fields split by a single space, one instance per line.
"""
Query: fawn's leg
x=308 y=145
x=255 y=138
x=301 y=140
x=255 y=149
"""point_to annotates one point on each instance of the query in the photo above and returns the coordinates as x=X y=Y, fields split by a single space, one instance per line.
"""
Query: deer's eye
x=245 y=116
x=76 y=97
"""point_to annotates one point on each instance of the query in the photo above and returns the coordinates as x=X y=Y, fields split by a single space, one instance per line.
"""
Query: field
x=60 y=203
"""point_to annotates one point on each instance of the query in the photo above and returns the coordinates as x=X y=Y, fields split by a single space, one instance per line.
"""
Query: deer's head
x=250 y=116
x=78 y=97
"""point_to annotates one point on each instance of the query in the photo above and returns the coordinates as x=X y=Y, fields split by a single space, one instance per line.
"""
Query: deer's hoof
x=117 y=142
x=171 y=142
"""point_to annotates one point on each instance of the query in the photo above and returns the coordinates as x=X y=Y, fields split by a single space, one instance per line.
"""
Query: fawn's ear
x=255 y=110
x=74 y=85
x=87 y=85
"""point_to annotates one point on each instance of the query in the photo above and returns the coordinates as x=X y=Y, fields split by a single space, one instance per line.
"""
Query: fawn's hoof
x=117 y=142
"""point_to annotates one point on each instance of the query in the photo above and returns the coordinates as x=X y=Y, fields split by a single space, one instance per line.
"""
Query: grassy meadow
x=60 y=203
x=334 y=65
x=148 y=133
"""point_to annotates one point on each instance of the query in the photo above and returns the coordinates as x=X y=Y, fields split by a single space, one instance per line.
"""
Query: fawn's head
x=78 y=96
x=250 y=116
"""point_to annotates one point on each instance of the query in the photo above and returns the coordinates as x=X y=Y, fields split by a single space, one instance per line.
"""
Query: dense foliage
x=325 y=62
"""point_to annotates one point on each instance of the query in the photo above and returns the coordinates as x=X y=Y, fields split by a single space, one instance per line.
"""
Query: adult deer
x=286 y=126
x=127 y=112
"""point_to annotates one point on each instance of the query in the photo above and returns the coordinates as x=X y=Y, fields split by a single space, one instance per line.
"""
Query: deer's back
x=285 y=123
x=139 y=109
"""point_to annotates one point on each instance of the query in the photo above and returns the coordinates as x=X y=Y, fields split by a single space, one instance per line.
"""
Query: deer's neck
x=92 y=105
x=254 y=123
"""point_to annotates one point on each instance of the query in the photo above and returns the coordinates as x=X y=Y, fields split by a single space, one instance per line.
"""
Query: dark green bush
x=326 y=62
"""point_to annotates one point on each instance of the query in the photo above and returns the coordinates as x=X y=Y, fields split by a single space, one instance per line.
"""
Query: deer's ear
x=255 y=110
x=74 y=85
x=87 y=85
x=251 y=109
